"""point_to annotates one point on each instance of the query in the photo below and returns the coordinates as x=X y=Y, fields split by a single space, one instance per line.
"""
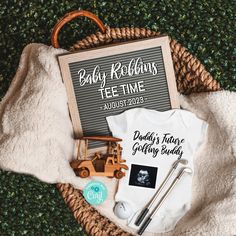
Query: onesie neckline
x=165 y=116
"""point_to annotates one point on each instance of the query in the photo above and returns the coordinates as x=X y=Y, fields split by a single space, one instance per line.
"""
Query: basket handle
x=70 y=16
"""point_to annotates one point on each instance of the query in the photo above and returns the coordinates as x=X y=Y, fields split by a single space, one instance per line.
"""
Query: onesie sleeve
x=118 y=124
x=196 y=128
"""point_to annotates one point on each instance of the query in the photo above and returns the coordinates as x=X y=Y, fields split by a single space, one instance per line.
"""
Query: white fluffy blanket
x=36 y=137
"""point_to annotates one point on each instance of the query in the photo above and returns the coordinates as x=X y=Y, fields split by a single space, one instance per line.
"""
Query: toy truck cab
x=108 y=164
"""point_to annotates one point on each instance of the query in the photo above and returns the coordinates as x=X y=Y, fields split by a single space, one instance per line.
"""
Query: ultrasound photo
x=143 y=176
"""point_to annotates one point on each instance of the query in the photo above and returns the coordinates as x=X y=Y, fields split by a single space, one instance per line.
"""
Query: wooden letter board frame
x=107 y=51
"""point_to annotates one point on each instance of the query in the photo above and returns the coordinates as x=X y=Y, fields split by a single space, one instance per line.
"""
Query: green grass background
x=206 y=28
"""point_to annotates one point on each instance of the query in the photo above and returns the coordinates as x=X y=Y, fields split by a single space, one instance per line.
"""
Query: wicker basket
x=191 y=76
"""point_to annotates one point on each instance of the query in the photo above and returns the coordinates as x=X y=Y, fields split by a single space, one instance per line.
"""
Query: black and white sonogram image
x=143 y=176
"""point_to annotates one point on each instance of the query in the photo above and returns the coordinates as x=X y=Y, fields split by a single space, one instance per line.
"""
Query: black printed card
x=106 y=81
x=143 y=176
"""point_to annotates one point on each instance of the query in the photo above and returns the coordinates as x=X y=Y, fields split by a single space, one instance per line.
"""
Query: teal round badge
x=95 y=192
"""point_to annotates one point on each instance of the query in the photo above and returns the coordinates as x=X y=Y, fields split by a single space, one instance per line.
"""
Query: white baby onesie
x=152 y=142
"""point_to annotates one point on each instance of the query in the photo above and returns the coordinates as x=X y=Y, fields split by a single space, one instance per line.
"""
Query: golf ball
x=123 y=210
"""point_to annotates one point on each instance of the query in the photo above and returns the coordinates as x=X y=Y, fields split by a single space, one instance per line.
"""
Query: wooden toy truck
x=108 y=164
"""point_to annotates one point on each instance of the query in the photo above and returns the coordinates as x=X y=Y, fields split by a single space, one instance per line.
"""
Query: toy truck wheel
x=118 y=174
x=83 y=173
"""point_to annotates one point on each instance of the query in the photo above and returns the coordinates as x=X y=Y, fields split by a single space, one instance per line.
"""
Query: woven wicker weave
x=191 y=76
